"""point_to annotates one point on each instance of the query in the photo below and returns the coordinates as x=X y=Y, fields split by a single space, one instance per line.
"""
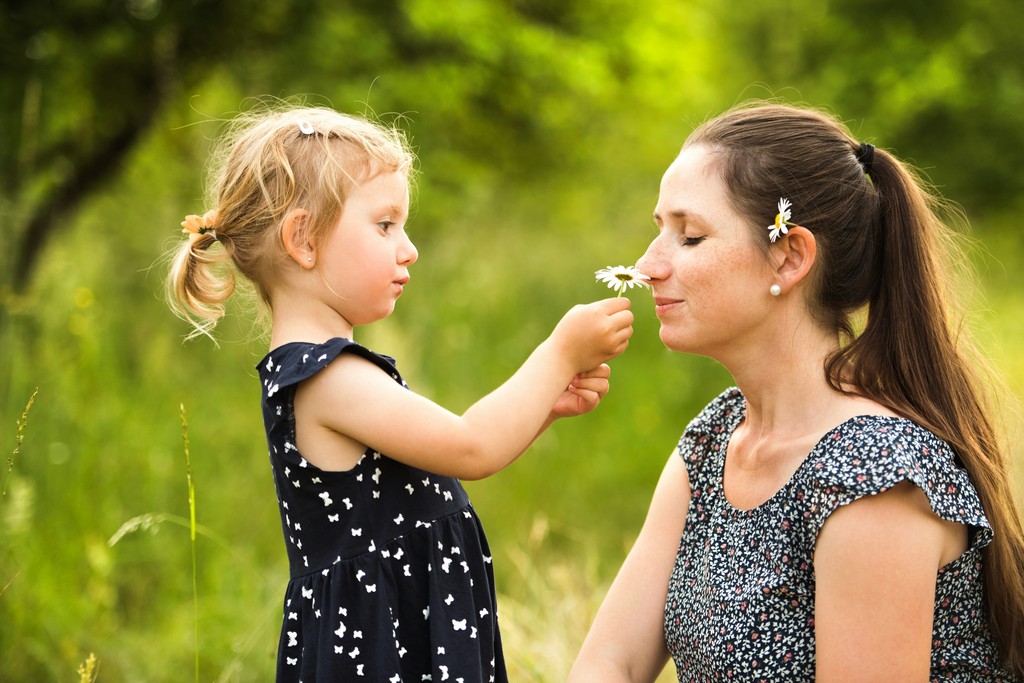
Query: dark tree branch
x=88 y=175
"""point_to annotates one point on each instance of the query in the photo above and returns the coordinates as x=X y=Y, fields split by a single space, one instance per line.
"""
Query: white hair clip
x=305 y=127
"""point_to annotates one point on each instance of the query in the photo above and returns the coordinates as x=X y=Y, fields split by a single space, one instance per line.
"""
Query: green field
x=542 y=135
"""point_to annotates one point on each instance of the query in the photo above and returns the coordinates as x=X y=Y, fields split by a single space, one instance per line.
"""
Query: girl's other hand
x=583 y=395
x=591 y=334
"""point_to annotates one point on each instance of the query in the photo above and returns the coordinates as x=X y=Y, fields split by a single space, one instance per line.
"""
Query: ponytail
x=200 y=281
x=915 y=359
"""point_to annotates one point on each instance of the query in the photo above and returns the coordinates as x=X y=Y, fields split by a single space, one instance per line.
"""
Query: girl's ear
x=793 y=256
x=295 y=235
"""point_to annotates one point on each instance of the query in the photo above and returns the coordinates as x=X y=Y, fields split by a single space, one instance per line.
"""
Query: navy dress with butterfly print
x=391 y=576
x=740 y=601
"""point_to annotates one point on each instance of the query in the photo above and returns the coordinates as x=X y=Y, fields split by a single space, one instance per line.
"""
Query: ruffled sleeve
x=292 y=363
x=872 y=454
x=284 y=368
x=707 y=436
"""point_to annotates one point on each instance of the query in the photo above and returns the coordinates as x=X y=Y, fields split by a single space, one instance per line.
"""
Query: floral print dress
x=391 y=576
x=740 y=603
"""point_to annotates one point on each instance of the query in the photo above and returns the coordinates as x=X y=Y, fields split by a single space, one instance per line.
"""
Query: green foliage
x=941 y=83
x=542 y=131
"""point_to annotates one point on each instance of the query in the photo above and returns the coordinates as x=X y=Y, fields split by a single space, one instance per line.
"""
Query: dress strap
x=291 y=363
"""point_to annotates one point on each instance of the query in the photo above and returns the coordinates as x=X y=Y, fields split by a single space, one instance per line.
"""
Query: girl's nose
x=408 y=254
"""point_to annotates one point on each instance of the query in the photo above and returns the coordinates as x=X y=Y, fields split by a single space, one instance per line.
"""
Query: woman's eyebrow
x=682 y=215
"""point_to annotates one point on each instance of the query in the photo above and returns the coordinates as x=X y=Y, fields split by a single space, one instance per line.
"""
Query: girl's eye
x=385 y=225
x=693 y=241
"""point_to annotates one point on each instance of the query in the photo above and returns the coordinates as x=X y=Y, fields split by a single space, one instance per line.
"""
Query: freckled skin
x=711 y=279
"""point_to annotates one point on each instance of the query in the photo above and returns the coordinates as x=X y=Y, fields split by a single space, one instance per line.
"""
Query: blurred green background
x=542 y=129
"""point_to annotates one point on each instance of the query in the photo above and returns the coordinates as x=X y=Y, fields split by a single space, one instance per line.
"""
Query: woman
x=843 y=513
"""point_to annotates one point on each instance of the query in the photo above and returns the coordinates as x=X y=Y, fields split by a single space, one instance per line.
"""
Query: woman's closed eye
x=692 y=241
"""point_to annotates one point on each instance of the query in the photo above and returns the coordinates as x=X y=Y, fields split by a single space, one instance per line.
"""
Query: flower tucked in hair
x=200 y=225
x=782 y=222
x=621 y=278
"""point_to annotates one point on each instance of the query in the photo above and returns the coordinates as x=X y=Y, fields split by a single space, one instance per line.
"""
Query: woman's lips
x=664 y=304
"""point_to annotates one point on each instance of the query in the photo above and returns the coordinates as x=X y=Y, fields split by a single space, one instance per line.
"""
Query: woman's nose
x=651 y=264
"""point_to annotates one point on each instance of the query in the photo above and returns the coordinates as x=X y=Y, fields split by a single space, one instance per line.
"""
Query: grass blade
x=18 y=439
x=192 y=533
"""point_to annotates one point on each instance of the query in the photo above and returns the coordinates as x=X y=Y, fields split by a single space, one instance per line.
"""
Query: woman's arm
x=353 y=403
x=627 y=639
x=875 y=565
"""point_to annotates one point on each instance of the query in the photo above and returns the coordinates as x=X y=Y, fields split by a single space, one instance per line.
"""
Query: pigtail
x=200 y=281
x=916 y=358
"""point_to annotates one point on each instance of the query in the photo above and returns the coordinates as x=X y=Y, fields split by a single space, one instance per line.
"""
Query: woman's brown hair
x=883 y=251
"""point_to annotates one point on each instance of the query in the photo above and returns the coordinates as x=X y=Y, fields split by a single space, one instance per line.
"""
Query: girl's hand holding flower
x=585 y=392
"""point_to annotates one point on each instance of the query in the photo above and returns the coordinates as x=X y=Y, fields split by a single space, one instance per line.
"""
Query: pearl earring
x=309 y=258
x=775 y=289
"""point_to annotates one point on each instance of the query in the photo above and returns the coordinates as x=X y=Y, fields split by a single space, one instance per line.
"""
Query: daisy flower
x=782 y=222
x=621 y=278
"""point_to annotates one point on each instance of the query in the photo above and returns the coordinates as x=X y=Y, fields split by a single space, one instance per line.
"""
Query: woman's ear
x=793 y=256
x=295 y=235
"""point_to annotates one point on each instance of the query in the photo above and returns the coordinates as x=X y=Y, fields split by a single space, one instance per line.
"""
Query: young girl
x=391 y=575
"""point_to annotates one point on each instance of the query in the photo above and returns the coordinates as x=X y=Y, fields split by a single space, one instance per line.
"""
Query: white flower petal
x=621 y=278
x=784 y=205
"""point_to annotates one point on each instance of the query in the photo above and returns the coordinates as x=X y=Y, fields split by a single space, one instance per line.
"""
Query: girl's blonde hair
x=270 y=162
